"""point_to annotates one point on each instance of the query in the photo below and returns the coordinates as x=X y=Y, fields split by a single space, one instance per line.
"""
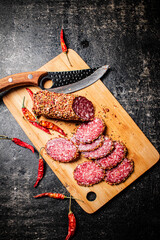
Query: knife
x=64 y=82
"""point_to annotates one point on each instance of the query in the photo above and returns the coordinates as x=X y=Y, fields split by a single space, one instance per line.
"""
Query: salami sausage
x=120 y=173
x=88 y=174
x=114 y=158
x=102 y=151
x=61 y=149
x=89 y=146
x=62 y=106
x=88 y=132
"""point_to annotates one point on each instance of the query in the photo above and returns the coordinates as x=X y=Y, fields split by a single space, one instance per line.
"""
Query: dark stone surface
x=124 y=34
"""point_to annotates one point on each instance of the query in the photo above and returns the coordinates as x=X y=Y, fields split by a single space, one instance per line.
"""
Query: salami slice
x=88 y=146
x=114 y=158
x=120 y=173
x=88 y=174
x=61 y=149
x=91 y=146
x=102 y=151
x=88 y=132
x=62 y=106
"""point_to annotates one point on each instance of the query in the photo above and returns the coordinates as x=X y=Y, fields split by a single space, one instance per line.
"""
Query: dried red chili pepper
x=53 y=195
x=40 y=169
x=18 y=142
x=27 y=114
x=52 y=126
x=32 y=119
x=63 y=46
x=41 y=127
x=30 y=93
x=71 y=222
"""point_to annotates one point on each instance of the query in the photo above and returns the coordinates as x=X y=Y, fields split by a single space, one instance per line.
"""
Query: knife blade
x=38 y=78
x=82 y=83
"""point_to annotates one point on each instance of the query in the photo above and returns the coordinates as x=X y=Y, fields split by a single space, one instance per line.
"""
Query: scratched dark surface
x=124 y=34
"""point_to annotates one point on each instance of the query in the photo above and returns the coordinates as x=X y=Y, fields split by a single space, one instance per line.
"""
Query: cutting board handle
x=20 y=79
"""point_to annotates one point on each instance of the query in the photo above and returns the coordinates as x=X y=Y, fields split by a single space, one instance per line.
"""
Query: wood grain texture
x=21 y=79
x=120 y=126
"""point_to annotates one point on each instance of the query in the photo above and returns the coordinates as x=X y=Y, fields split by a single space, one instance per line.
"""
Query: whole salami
x=62 y=106
x=102 y=151
x=88 y=174
x=120 y=173
x=61 y=149
x=113 y=159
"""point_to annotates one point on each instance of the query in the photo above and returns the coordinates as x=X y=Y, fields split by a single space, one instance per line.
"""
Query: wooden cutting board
x=120 y=126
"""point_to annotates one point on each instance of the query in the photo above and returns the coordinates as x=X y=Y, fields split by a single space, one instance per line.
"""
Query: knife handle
x=21 y=79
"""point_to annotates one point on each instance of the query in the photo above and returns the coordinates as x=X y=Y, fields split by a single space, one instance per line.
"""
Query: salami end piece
x=62 y=106
x=120 y=173
x=102 y=151
x=88 y=132
x=113 y=159
x=61 y=149
x=88 y=173
x=83 y=108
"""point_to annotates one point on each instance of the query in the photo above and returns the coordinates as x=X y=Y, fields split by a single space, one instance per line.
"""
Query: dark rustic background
x=124 y=34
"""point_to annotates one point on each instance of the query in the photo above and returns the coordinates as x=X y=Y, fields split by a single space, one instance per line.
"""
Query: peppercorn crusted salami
x=117 y=155
x=88 y=174
x=61 y=149
x=120 y=173
x=62 y=106
x=88 y=132
x=102 y=151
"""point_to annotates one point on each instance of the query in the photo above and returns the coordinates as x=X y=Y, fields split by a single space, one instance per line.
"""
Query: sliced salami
x=88 y=132
x=91 y=146
x=61 y=149
x=120 y=173
x=88 y=174
x=102 y=151
x=62 y=106
x=117 y=155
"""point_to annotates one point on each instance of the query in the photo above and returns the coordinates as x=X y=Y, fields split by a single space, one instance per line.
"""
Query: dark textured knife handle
x=20 y=79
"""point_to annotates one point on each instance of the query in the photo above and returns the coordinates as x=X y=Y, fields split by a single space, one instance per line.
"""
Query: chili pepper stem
x=68 y=59
x=74 y=198
x=40 y=156
x=23 y=103
x=5 y=137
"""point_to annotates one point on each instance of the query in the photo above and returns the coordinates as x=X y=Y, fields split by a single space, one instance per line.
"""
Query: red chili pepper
x=32 y=119
x=51 y=195
x=40 y=169
x=18 y=142
x=63 y=46
x=52 y=126
x=71 y=222
x=30 y=93
x=38 y=126
x=27 y=114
